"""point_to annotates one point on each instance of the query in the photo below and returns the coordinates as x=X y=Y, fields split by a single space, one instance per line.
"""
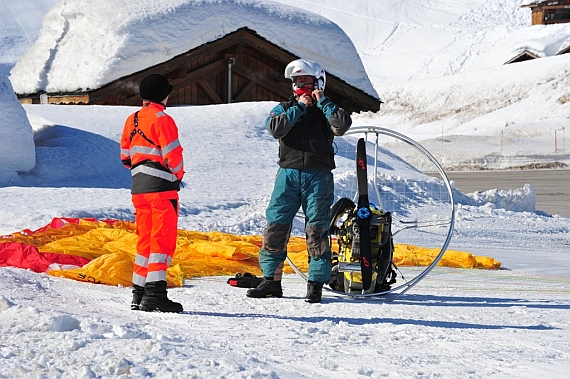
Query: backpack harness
x=137 y=130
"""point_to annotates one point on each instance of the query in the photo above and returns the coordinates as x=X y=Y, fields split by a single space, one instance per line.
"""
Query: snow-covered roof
x=541 y=46
x=528 y=3
x=564 y=48
x=84 y=44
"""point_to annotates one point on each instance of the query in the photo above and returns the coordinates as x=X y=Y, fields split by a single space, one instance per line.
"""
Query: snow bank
x=16 y=136
x=519 y=200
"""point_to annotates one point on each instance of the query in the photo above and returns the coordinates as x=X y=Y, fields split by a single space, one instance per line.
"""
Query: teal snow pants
x=313 y=190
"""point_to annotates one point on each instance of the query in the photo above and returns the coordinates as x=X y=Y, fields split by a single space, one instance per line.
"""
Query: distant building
x=523 y=56
x=549 y=12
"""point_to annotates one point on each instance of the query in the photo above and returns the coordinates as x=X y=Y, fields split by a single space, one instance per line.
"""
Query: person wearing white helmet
x=305 y=127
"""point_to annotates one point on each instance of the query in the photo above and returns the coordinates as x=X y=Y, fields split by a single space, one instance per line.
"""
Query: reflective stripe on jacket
x=152 y=151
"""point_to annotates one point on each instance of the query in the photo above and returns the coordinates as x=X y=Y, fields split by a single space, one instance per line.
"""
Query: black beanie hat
x=155 y=87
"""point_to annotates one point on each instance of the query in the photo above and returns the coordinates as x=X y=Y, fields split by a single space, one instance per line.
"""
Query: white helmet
x=305 y=67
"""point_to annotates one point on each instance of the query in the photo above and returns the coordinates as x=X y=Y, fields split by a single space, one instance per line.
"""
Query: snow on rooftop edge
x=85 y=45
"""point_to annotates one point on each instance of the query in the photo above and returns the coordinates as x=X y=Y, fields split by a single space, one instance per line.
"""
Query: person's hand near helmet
x=317 y=94
x=307 y=99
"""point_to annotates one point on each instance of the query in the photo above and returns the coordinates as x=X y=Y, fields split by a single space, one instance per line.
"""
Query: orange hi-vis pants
x=156 y=217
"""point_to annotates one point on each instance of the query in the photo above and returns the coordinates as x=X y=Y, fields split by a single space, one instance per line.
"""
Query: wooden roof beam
x=200 y=74
x=210 y=92
x=270 y=85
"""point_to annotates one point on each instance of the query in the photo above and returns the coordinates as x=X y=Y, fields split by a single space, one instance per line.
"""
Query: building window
x=557 y=15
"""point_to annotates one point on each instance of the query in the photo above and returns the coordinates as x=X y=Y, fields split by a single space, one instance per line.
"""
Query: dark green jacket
x=306 y=134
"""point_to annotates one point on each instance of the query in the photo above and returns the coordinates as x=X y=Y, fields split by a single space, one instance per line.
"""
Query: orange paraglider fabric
x=103 y=252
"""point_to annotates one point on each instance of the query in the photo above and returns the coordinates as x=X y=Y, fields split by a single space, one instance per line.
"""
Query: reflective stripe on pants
x=156 y=217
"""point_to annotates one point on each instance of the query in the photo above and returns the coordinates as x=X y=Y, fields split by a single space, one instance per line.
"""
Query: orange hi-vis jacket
x=151 y=150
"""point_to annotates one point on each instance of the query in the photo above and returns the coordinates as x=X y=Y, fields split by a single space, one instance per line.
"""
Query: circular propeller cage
x=405 y=180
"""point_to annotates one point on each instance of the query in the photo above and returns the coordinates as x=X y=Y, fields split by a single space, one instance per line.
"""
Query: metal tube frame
x=407 y=285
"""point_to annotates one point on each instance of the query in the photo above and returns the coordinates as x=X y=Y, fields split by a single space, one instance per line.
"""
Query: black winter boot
x=267 y=288
x=138 y=293
x=314 y=292
x=155 y=299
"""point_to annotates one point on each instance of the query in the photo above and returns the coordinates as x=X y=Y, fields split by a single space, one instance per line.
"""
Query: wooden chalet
x=549 y=12
x=524 y=56
x=239 y=67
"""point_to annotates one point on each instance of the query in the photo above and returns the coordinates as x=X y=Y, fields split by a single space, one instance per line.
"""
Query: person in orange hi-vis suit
x=151 y=150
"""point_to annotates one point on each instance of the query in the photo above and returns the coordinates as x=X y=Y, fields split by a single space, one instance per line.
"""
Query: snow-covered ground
x=456 y=323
